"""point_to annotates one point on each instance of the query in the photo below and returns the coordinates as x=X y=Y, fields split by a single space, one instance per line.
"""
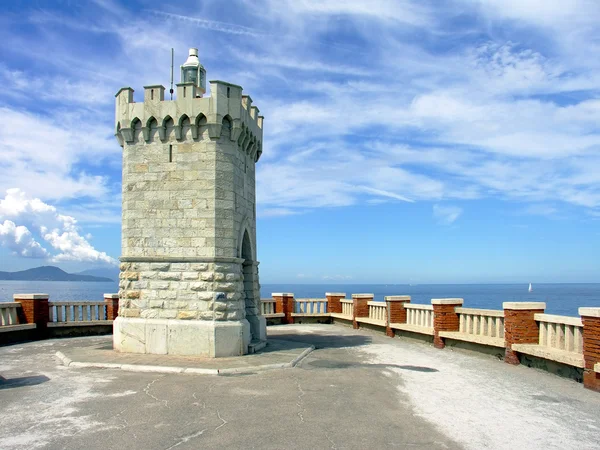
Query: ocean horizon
x=560 y=298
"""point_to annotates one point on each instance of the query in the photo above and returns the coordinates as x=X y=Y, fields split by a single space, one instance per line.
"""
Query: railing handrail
x=563 y=320
x=479 y=312
x=418 y=306
x=345 y=300
x=77 y=303
x=311 y=300
x=374 y=303
x=6 y=305
x=268 y=300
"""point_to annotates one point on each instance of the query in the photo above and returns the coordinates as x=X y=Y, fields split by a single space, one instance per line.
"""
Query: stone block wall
x=189 y=173
x=182 y=290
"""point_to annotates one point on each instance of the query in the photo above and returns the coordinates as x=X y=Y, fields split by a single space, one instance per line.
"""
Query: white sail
x=530 y=288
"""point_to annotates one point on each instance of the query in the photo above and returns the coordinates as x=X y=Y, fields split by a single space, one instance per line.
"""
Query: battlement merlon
x=225 y=102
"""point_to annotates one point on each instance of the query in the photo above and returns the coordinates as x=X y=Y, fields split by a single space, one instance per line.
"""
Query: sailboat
x=530 y=288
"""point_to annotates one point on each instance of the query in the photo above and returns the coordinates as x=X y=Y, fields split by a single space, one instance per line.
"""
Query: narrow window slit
x=151 y=94
x=170 y=152
x=228 y=92
x=184 y=91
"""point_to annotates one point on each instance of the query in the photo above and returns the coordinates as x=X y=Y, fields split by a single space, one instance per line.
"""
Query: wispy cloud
x=446 y=214
x=212 y=25
x=386 y=101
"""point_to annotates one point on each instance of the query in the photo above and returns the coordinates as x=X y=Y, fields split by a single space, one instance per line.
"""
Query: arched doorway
x=250 y=287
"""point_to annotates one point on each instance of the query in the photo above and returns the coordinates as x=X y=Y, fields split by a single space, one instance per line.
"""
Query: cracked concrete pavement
x=356 y=390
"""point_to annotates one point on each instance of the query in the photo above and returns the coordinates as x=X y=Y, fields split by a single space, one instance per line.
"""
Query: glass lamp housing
x=190 y=75
x=193 y=72
x=202 y=79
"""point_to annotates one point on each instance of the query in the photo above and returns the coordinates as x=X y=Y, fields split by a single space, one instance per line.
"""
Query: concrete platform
x=357 y=389
x=278 y=354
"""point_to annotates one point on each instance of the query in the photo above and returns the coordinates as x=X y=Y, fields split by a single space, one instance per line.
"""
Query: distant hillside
x=110 y=272
x=48 y=273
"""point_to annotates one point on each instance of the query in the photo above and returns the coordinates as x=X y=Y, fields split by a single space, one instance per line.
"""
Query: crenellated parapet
x=226 y=113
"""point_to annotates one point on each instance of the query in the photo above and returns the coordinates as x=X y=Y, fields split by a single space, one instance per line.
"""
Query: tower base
x=181 y=337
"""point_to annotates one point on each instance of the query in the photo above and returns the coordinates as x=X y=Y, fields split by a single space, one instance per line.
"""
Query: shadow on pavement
x=22 y=381
x=321 y=341
x=331 y=364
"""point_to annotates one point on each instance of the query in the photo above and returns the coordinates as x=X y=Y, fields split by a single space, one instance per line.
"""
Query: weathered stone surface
x=187 y=315
x=188 y=212
x=207 y=276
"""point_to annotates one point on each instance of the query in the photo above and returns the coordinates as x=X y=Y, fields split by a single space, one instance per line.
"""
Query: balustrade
x=378 y=311
x=310 y=306
x=481 y=322
x=8 y=313
x=560 y=332
x=267 y=306
x=419 y=315
x=347 y=308
x=62 y=312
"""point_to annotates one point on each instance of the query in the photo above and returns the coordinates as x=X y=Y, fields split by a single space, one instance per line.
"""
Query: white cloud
x=58 y=230
x=20 y=241
x=43 y=162
x=382 y=115
x=276 y=212
x=446 y=214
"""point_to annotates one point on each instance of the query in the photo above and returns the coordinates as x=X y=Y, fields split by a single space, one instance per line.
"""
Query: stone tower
x=189 y=275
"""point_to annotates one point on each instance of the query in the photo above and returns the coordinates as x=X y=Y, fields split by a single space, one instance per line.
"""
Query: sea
x=562 y=299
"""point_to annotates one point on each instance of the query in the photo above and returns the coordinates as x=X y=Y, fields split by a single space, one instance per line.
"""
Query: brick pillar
x=591 y=347
x=284 y=303
x=34 y=309
x=444 y=318
x=112 y=306
x=520 y=326
x=396 y=313
x=361 y=307
x=333 y=302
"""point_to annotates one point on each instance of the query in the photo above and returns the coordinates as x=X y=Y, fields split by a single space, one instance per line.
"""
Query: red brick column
x=396 y=313
x=284 y=303
x=34 y=309
x=361 y=307
x=591 y=347
x=444 y=318
x=520 y=326
x=112 y=306
x=333 y=302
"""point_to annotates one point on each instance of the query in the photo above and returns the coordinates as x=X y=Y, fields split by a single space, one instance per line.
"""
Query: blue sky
x=405 y=141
